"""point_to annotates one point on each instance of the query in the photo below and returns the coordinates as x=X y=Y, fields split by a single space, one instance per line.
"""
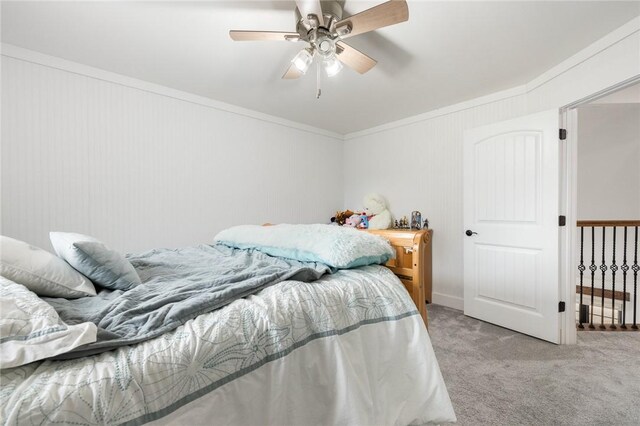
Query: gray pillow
x=92 y=258
x=40 y=271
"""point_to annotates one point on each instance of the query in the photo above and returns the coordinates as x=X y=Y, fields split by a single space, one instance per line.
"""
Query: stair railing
x=595 y=271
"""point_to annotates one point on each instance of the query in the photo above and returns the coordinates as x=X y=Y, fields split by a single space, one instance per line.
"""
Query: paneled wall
x=142 y=170
x=417 y=162
x=419 y=167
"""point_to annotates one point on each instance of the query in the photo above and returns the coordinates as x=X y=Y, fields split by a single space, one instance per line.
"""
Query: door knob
x=469 y=232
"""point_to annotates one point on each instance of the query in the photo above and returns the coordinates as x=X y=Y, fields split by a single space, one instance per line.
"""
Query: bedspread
x=353 y=343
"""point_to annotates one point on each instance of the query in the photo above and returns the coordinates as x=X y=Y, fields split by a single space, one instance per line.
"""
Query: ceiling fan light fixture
x=303 y=60
x=332 y=66
x=321 y=25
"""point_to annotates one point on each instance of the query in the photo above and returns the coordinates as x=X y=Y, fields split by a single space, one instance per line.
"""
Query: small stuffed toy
x=341 y=217
x=375 y=207
x=364 y=222
x=353 y=220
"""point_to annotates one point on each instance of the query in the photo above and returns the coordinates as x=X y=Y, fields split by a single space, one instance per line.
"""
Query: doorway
x=526 y=259
x=603 y=210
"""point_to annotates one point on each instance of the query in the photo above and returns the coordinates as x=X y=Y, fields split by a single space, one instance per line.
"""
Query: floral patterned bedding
x=196 y=369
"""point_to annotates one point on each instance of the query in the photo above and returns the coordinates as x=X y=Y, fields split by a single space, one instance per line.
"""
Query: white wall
x=140 y=169
x=609 y=162
x=173 y=171
x=419 y=167
x=417 y=162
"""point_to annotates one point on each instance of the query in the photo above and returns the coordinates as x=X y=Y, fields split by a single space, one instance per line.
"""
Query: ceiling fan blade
x=310 y=7
x=352 y=57
x=239 y=35
x=292 y=73
x=383 y=15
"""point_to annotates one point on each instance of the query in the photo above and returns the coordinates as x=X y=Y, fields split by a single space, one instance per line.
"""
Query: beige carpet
x=498 y=377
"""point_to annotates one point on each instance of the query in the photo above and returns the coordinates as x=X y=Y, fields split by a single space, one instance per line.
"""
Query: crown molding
x=472 y=103
x=627 y=30
x=616 y=36
x=587 y=53
x=20 y=53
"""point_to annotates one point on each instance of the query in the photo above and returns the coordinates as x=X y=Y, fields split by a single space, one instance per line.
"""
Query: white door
x=511 y=204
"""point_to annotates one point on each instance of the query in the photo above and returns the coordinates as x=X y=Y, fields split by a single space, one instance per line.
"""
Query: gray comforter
x=177 y=285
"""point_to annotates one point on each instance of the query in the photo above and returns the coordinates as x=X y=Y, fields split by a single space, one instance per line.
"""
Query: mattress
x=349 y=348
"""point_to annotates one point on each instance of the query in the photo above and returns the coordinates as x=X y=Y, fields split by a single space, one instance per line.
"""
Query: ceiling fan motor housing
x=331 y=12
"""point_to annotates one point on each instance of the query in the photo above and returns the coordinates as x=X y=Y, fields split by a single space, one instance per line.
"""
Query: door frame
x=568 y=249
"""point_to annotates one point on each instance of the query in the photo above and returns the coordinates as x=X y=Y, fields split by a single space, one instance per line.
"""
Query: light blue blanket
x=340 y=247
x=177 y=285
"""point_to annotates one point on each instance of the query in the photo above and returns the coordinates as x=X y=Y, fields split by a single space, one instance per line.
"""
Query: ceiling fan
x=321 y=25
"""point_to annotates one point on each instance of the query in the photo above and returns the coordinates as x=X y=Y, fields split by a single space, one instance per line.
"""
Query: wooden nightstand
x=412 y=263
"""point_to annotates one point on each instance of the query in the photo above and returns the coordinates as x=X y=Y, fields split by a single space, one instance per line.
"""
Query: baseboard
x=449 y=301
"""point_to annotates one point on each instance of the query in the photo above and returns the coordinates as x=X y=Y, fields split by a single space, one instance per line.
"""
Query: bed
x=348 y=348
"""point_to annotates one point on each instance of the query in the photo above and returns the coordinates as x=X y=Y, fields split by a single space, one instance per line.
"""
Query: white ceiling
x=446 y=53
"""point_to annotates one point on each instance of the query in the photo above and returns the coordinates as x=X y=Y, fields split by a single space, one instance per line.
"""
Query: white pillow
x=40 y=271
x=31 y=330
x=100 y=264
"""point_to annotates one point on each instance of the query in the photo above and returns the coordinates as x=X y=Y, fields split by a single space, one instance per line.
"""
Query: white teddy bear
x=376 y=210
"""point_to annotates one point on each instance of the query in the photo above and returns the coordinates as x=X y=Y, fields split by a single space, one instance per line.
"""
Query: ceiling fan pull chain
x=318 y=80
